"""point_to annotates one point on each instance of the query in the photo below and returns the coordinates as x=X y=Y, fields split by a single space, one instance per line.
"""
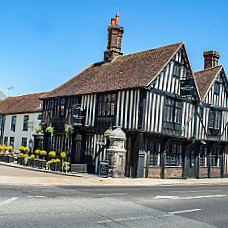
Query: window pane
x=25 y=124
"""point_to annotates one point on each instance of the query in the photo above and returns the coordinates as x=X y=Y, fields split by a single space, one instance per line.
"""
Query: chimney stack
x=115 y=33
x=210 y=59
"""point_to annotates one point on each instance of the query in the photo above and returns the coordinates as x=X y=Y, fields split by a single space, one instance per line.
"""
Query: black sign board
x=77 y=116
x=187 y=88
x=103 y=169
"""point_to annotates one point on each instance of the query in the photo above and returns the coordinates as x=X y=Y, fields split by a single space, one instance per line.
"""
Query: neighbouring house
x=20 y=117
x=175 y=120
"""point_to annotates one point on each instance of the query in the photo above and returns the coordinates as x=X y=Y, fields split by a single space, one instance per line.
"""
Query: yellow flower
x=10 y=149
x=43 y=152
x=57 y=160
x=27 y=149
x=37 y=152
x=32 y=156
x=63 y=155
x=21 y=148
x=52 y=154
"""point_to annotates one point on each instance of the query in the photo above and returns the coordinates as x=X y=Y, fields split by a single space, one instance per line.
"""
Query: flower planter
x=20 y=160
x=43 y=164
x=37 y=163
x=10 y=159
x=1 y=158
x=30 y=162
x=55 y=166
x=6 y=159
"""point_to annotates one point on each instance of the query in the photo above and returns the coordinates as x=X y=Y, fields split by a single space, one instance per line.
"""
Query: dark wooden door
x=190 y=164
x=77 y=149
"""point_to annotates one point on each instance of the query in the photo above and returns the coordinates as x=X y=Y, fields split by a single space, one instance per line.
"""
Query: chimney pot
x=117 y=18
x=113 y=21
x=210 y=59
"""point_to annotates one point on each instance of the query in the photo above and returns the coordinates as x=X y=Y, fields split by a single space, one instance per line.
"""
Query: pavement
x=23 y=175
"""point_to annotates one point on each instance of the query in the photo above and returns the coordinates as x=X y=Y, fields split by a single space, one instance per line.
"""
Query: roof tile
x=128 y=71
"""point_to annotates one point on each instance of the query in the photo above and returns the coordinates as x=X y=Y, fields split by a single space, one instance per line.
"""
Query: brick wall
x=203 y=172
x=154 y=172
x=215 y=172
x=173 y=172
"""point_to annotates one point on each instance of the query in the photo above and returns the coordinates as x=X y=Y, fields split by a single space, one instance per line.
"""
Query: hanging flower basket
x=107 y=132
x=69 y=130
x=50 y=130
x=39 y=130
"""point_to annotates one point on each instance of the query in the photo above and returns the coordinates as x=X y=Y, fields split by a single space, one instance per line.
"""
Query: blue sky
x=44 y=43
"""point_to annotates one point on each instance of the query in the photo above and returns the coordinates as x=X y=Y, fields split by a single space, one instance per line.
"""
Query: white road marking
x=188 y=197
x=8 y=201
x=112 y=194
x=36 y=196
x=184 y=211
x=124 y=219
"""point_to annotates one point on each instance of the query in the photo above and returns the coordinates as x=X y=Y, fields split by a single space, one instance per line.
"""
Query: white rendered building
x=20 y=117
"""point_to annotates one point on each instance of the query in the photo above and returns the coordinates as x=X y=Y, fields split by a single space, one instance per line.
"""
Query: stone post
x=116 y=153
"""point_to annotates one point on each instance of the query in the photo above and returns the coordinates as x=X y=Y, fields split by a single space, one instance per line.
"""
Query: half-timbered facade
x=154 y=96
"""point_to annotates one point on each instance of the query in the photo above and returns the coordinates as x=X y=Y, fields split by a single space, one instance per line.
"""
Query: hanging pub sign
x=77 y=116
x=187 y=88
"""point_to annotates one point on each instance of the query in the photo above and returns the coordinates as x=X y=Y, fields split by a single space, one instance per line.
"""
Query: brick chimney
x=210 y=59
x=115 y=33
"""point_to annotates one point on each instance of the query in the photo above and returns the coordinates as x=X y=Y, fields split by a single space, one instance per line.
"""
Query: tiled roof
x=205 y=78
x=22 y=104
x=128 y=71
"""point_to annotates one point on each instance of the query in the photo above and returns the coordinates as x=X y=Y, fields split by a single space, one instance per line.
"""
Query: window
x=173 y=111
x=176 y=70
x=106 y=110
x=62 y=107
x=214 y=119
x=1 y=122
x=203 y=157
x=24 y=142
x=6 y=141
x=12 y=141
x=154 y=151
x=39 y=117
x=13 y=123
x=173 y=155
x=106 y=105
x=25 y=123
x=216 y=88
x=216 y=157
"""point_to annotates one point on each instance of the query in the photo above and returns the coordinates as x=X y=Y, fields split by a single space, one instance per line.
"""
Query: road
x=111 y=206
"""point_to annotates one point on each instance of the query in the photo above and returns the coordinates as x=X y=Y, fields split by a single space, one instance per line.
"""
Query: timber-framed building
x=175 y=120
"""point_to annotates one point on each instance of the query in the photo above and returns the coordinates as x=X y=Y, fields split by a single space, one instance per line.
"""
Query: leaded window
x=154 y=149
x=106 y=110
x=214 y=123
x=173 y=155
x=62 y=107
x=172 y=111
x=177 y=70
x=214 y=119
x=216 y=88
